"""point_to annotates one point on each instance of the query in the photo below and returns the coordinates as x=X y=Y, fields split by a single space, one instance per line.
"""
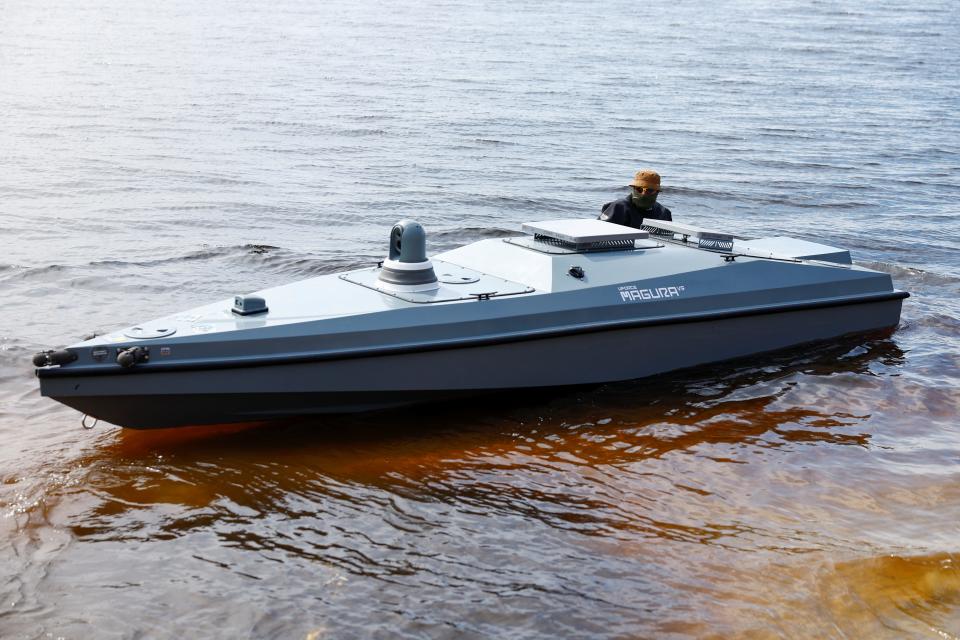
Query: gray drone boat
x=569 y=302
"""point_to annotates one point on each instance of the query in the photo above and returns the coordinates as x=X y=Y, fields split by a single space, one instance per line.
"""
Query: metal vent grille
x=710 y=240
x=591 y=245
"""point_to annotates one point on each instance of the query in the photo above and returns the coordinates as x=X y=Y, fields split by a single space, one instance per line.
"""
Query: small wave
x=365 y=117
x=15 y=358
x=362 y=132
x=222 y=180
x=526 y=203
x=188 y=207
x=914 y=275
x=20 y=274
x=744 y=196
x=783 y=133
x=308 y=266
x=689 y=191
x=815 y=49
x=467 y=233
x=937 y=321
x=207 y=253
x=14 y=273
x=277 y=260
x=10 y=345
x=259 y=248
x=39 y=135
x=260 y=124
x=495 y=143
x=853 y=204
x=281 y=150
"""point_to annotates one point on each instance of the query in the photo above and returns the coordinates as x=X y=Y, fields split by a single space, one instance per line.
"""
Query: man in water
x=639 y=204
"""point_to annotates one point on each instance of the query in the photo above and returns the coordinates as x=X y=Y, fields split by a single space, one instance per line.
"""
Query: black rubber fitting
x=134 y=355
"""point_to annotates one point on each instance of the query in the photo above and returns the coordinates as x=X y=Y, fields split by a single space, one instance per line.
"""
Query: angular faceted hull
x=411 y=373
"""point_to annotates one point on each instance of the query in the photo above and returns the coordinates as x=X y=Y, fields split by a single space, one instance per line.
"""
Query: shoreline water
x=158 y=158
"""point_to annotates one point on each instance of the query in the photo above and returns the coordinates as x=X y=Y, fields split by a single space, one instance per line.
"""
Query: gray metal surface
x=257 y=393
x=149 y=332
x=580 y=231
x=453 y=274
x=793 y=248
x=457 y=284
x=687 y=230
x=519 y=319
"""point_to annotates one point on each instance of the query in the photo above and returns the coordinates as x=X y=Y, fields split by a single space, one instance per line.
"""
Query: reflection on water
x=159 y=156
x=710 y=480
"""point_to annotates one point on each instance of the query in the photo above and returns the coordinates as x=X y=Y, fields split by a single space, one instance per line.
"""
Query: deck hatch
x=463 y=284
x=583 y=235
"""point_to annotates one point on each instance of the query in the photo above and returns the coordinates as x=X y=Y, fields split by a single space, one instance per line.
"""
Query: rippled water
x=158 y=155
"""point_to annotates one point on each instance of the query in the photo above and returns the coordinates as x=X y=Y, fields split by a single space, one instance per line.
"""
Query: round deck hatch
x=148 y=333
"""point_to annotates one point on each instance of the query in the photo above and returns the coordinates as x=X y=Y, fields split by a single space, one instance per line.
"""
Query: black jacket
x=624 y=212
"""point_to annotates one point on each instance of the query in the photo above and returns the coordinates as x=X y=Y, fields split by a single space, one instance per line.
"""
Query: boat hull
x=145 y=399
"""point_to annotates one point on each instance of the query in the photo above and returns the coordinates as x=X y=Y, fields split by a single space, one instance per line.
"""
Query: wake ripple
x=919 y=276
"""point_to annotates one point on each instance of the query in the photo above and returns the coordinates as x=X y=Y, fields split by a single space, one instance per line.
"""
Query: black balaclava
x=643 y=200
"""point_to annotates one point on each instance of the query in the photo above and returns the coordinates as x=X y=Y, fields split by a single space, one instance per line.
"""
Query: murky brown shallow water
x=156 y=157
x=770 y=498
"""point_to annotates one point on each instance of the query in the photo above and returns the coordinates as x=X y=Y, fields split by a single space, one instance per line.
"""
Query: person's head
x=644 y=188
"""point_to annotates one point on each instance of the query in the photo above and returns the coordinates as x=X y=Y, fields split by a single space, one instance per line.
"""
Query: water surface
x=157 y=156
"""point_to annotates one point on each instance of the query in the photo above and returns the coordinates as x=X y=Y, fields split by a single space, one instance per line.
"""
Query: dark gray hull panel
x=156 y=399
